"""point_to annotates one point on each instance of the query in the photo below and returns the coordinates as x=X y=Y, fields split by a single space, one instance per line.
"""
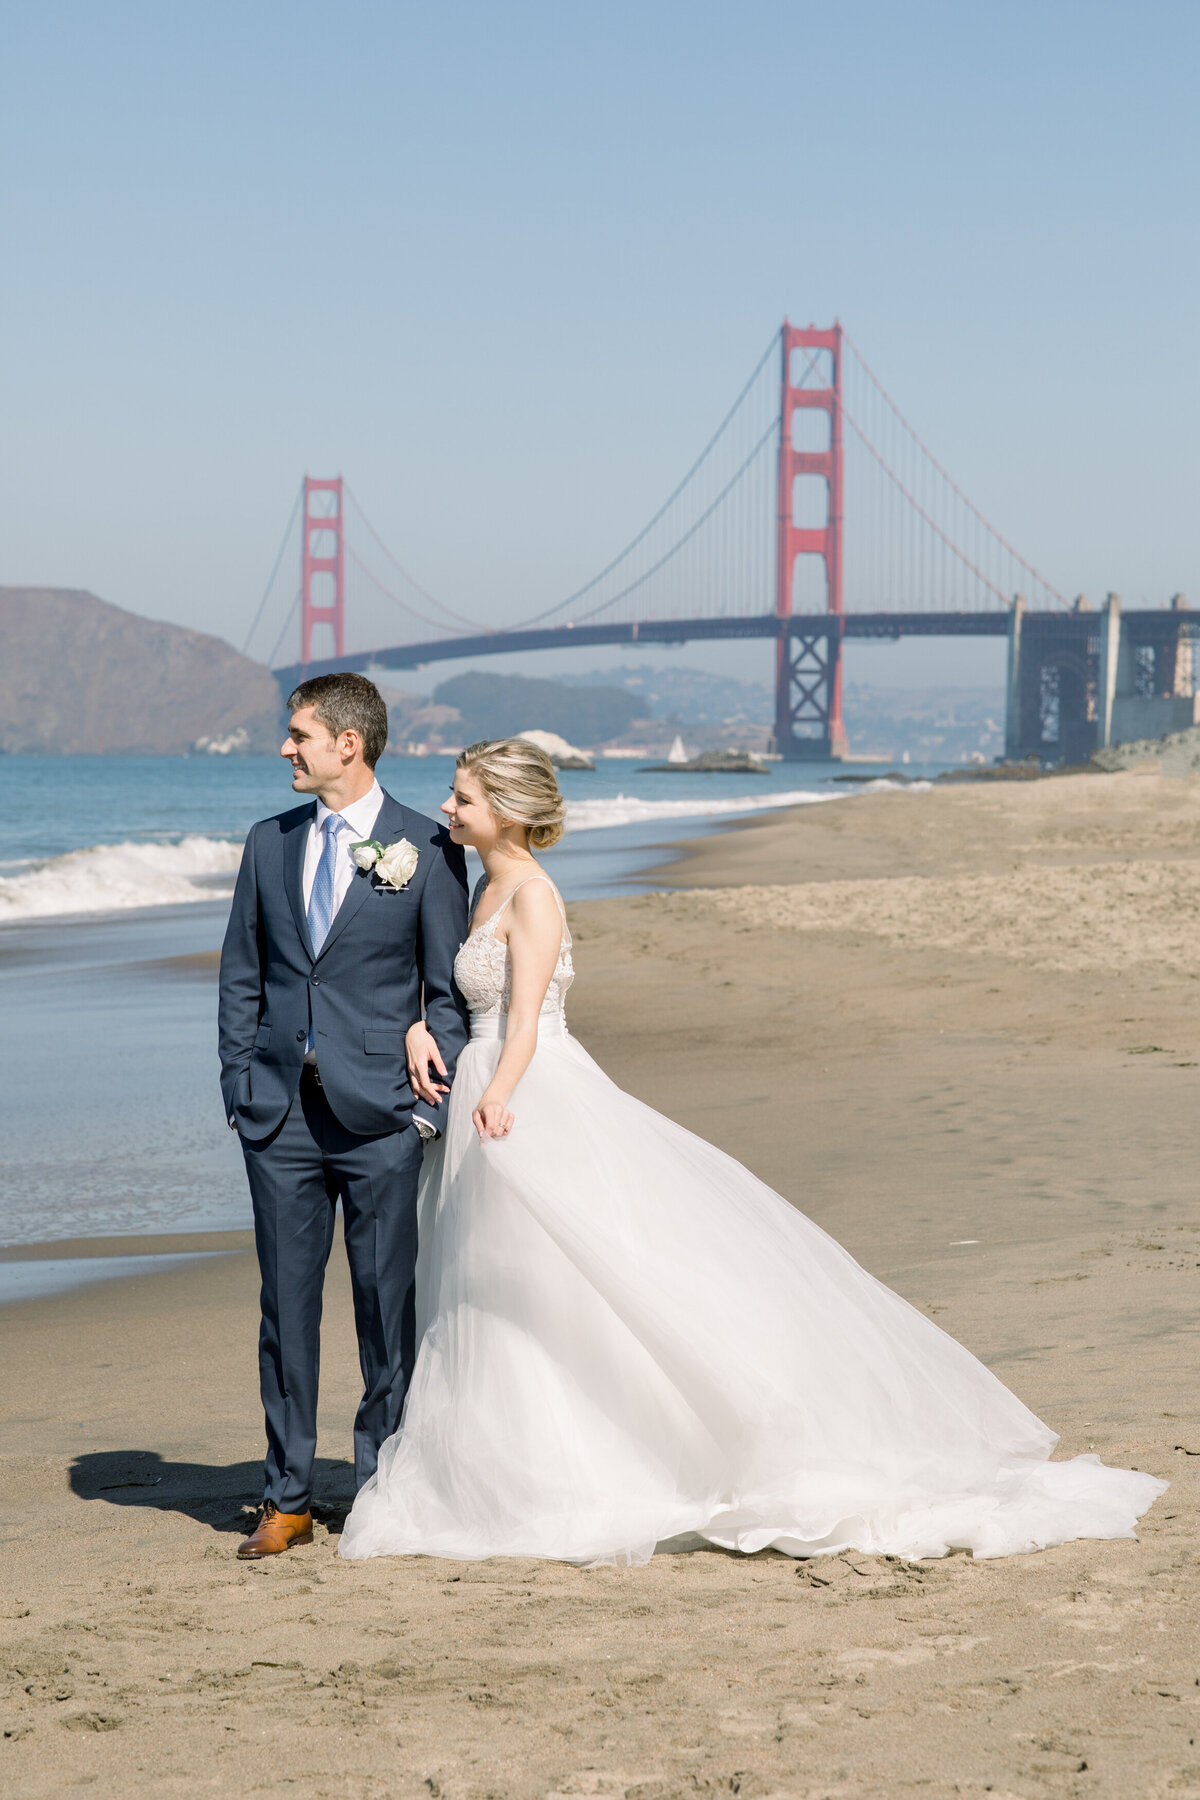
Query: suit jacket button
x=300 y=1036
x=316 y=981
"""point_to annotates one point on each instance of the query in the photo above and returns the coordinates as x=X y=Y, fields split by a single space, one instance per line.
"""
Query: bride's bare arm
x=534 y=937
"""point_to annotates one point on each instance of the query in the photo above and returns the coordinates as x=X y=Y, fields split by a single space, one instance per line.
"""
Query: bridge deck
x=885 y=625
x=1143 y=624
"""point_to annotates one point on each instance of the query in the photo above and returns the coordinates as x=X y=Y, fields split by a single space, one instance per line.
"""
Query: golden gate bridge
x=814 y=515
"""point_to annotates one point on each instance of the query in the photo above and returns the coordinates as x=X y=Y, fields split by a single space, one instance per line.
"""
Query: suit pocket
x=262 y=1037
x=383 y=1043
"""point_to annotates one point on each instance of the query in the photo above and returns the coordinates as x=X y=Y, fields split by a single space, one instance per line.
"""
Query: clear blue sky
x=505 y=266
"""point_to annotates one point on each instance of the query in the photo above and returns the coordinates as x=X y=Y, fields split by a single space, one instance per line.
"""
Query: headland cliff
x=79 y=676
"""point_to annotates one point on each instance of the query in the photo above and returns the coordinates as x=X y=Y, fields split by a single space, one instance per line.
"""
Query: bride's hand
x=420 y=1050
x=491 y=1119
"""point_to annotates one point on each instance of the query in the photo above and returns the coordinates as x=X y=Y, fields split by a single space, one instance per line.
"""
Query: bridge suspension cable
x=635 y=542
x=913 y=541
x=688 y=535
x=290 y=527
x=461 y=622
x=397 y=600
x=984 y=524
x=285 y=627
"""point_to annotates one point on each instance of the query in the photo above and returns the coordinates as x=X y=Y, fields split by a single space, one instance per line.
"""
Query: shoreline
x=121 y=975
x=120 y=1244
x=141 y=983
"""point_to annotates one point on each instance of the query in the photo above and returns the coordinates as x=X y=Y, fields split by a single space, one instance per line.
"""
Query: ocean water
x=115 y=874
x=88 y=835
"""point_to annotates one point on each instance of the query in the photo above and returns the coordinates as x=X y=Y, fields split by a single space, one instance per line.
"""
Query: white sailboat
x=677 y=753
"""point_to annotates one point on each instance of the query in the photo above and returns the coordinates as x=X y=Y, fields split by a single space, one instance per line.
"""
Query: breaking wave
x=116 y=877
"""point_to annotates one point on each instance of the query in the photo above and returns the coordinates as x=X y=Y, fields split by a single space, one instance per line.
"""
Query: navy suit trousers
x=297 y=1176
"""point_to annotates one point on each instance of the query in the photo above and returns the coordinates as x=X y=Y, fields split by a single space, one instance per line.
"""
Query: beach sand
x=960 y=1030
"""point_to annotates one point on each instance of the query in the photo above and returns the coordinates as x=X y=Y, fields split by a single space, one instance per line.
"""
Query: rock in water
x=81 y=677
x=710 y=762
x=561 y=754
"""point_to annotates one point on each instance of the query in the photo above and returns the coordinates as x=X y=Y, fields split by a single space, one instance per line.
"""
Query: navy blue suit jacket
x=385 y=947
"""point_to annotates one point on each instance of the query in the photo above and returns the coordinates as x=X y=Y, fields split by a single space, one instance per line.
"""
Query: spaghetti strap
x=490 y=922
x=557 y=897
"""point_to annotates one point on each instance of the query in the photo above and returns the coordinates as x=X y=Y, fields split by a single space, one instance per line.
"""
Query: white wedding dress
x=628 y=1338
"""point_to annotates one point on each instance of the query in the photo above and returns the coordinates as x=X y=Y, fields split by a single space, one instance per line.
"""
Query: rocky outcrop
x=1178 y=753
x=712 y=762
x=561 y=754
x=78 y=676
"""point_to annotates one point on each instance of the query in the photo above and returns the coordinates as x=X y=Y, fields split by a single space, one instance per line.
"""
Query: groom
x=348 y=912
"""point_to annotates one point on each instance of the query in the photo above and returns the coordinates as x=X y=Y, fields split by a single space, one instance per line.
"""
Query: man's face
x=315 y=756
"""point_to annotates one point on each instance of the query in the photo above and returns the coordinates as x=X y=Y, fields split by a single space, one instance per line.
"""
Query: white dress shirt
x=360 y=819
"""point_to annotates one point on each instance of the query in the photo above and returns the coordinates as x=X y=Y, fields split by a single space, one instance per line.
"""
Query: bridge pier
x=808 y=695
x=1012 y=699
x=1053 y=684
x=1080 y=681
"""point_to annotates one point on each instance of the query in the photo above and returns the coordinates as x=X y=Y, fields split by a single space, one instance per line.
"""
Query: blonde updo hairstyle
x=519 y=785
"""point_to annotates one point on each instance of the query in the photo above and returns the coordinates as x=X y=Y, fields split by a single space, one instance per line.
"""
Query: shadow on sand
x=225 y=1497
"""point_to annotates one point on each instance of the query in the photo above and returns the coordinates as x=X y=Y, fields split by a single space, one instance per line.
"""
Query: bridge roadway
x=876 y=625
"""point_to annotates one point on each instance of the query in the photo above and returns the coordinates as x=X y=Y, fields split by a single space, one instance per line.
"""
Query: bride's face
x=470 y=818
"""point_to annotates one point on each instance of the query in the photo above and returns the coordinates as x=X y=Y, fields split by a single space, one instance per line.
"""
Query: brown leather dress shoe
x=276 y=1531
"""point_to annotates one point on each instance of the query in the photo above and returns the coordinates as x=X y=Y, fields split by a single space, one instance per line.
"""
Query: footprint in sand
x=946 y=1645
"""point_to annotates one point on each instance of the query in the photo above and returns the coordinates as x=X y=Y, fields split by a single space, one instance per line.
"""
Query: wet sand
x=960 y=1030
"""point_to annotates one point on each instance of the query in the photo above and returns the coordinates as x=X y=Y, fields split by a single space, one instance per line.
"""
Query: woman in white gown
x=628 y=1338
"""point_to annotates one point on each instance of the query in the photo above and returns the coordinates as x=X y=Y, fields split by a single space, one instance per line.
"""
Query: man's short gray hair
x=347 y=703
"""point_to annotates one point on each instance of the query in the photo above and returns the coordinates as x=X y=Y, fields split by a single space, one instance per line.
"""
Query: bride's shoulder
x=537 y=903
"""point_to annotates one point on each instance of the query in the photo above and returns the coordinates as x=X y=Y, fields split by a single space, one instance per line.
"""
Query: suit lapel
x=388 y=825
x=293 y=875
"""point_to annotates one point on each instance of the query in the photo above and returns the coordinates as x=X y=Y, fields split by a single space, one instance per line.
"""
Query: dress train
x=627 y=1338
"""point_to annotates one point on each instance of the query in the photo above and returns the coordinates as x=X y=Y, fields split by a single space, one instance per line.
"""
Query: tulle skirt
x=628 y=1339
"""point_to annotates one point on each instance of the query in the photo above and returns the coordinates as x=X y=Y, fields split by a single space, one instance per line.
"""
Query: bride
x=626 y=1338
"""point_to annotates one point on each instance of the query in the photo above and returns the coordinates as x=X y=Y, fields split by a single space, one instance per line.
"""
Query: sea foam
x=115 y=877
x=627 y=809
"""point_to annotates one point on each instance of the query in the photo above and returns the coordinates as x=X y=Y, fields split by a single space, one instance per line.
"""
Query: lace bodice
x=483 y=968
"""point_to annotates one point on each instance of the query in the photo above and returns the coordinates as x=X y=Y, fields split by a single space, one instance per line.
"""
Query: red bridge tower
x=808 y=671
x=324 y=609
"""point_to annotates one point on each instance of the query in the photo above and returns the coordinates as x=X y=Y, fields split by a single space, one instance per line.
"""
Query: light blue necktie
x=320 y=901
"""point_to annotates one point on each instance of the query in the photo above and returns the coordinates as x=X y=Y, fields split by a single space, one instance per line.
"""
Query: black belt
x=310 y=1072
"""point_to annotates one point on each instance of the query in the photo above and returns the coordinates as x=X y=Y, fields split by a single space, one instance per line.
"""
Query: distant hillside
x=684 y=696
x=492 y=706
x=81 y=677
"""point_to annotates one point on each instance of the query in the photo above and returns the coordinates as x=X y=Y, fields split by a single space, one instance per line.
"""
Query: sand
x=959 y=1029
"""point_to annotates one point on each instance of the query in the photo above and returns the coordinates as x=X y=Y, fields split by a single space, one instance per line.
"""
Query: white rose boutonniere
x=392 y=864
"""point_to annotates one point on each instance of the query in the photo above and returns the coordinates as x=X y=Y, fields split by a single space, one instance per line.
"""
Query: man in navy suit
x=346 y=919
